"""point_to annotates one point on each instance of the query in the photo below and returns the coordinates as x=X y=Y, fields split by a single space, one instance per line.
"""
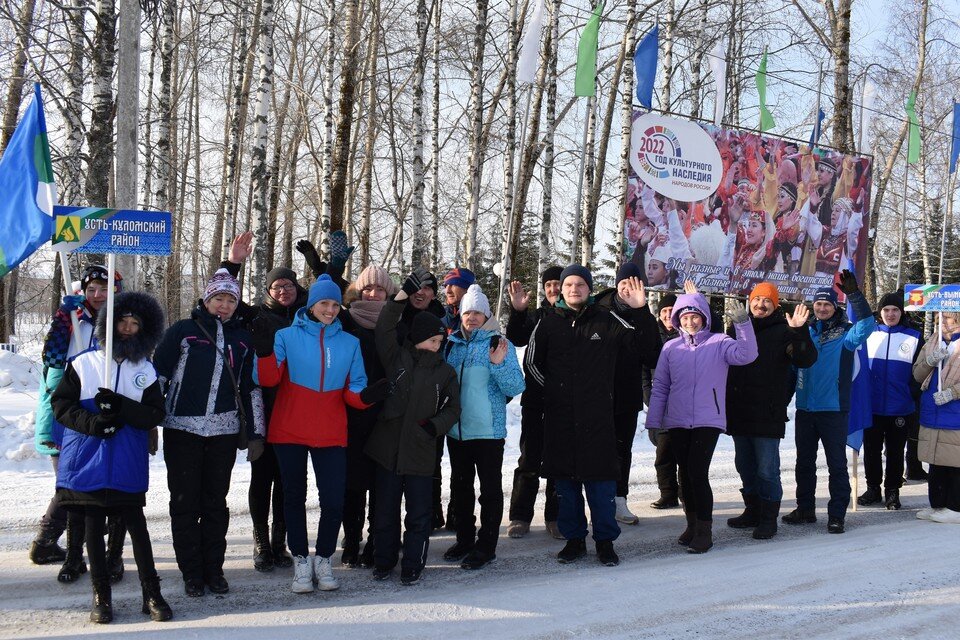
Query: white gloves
x=943 y=397
x=936 y=355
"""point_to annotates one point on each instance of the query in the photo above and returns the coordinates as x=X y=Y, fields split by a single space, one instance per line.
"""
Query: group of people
x=369 y=380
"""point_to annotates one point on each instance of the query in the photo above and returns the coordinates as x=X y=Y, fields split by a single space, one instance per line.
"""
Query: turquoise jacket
x=484 y=387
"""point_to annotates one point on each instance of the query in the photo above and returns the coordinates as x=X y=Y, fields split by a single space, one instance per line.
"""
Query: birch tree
x=260 y=169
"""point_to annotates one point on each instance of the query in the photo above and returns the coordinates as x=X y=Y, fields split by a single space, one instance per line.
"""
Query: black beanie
x=425 y=326
x=577 y=270
x=894 y=299
x=628 y=270
x=550 y=273
x=667 y=300
x=280 y=273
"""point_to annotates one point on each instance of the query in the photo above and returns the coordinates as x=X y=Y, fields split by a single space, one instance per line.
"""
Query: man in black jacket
x=757 y=399
x=627 y=403
x=665 y=463
x=572 y=355
x=526 y=478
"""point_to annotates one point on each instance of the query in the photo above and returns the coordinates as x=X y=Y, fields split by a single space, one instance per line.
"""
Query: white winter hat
x=475 y=300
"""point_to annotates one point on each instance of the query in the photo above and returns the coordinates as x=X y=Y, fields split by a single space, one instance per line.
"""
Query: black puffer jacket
x=424 y=387
x=520 y=328
x=647 y=373
x=573 y=356
x=758 y=393
x=628 y=379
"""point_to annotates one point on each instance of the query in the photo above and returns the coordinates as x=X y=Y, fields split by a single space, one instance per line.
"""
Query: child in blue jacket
x=486 y=364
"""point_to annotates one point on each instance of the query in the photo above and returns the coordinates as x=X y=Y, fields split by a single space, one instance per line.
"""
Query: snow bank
x=19 y=380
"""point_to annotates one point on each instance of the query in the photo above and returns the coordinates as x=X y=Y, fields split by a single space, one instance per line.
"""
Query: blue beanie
x=577 y=270
x=827 y=294
x=628 y=270
x=324 y=289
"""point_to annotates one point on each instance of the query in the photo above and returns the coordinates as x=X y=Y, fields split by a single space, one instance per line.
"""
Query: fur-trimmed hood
x=152 y=324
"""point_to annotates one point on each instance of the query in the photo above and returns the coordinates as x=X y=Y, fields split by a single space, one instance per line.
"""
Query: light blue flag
x=815 y=134
x=861 y=405
x=955 y=143
x=645 y=63
x=27 y=188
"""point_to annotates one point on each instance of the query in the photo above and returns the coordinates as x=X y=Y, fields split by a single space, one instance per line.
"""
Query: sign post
x=111 y=231
x=929 y=298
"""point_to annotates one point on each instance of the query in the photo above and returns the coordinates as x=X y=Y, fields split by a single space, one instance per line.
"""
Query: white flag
x=866 y=111
x=530 y=46
x=718 y=63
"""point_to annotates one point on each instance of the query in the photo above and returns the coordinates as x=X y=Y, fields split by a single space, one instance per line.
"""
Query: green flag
x=585 y=84
x=766 y=118
x=913 y=142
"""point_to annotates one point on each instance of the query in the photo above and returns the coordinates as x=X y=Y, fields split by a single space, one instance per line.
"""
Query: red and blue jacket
x=319 y=370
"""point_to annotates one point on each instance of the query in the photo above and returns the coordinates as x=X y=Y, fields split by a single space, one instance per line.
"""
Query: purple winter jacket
x=690 y=384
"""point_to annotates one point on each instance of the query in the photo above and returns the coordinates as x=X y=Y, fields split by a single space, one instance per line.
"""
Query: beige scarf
x=366 y=312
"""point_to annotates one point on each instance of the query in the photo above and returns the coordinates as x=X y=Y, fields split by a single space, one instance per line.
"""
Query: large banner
x=728 y=209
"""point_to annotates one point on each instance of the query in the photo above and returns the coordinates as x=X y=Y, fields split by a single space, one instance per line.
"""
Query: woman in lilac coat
x=688 y=401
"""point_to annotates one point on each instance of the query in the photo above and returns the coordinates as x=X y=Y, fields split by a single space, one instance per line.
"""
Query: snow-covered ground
x=889 y=576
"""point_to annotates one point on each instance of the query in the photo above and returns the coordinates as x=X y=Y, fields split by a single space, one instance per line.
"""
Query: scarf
x=366 y=312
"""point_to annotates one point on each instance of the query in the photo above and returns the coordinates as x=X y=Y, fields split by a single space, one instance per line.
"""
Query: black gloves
x=848 y=282
x=108 y=401
x=429 y=427
x=375 y=392
x=105 y=426
x=417 y=280
x=311 y=256
x=263 y=335
x=255 y=449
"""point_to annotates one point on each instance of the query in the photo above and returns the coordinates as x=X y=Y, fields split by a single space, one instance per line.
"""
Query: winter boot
x=366 y=556
x=892 y=500
x=800 y=516
x=750 y=517
x=102 y=611
x=477 y=559
x=573 y=551
x=767 y=528
x=73 y=565
x=702 y=537
x=871 y=496
x=116 y=533
x=518 y=528
x=153 y=603
x=606 y=555
x=554 y=530
x=262 y=553
x=410 y=577
x=46 y=552
x=351 y=554
x=458 y=551
x=278 y=537
x=835 y=525
x=687 y=534
x=665 y=502
x=624 y=514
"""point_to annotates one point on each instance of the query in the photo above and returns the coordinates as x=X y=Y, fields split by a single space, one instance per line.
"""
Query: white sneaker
x=947 y=516
x=323 y=573
x=924 y=514
x=302 y=575
x=623 y=512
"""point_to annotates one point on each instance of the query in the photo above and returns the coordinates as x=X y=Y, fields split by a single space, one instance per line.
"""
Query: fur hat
x=144 y=308
x=550 y=273
x=425 y=325
x=324 y=289
x=577 y=270
x=375 y=275
x=221 y=282
x=766 y=290
x=475 y=300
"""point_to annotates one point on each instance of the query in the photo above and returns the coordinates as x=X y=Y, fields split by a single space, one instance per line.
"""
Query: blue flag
x=861 y=406
x=26 y=182
x=645 y=62
x=815 y=134
x=955 y=144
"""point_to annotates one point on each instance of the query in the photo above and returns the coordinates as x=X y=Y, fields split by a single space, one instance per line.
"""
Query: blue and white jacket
x=826 y=385
x=484 y=386
x=892 y=352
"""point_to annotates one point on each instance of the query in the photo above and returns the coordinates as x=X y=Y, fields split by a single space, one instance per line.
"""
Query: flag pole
x=508 y=239
x=816 y=111
x=67 y=281
x=903 y=216
x=948 y=212
x=574 y=244
x=856 y=479
x=108 y=355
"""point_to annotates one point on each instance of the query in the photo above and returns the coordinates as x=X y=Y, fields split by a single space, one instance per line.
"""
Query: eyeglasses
x=284 y=287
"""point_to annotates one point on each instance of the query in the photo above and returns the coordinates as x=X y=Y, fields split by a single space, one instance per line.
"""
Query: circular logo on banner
x=676 y=158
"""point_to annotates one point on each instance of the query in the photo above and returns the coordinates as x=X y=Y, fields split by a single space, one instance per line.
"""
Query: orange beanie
x=767 y=290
